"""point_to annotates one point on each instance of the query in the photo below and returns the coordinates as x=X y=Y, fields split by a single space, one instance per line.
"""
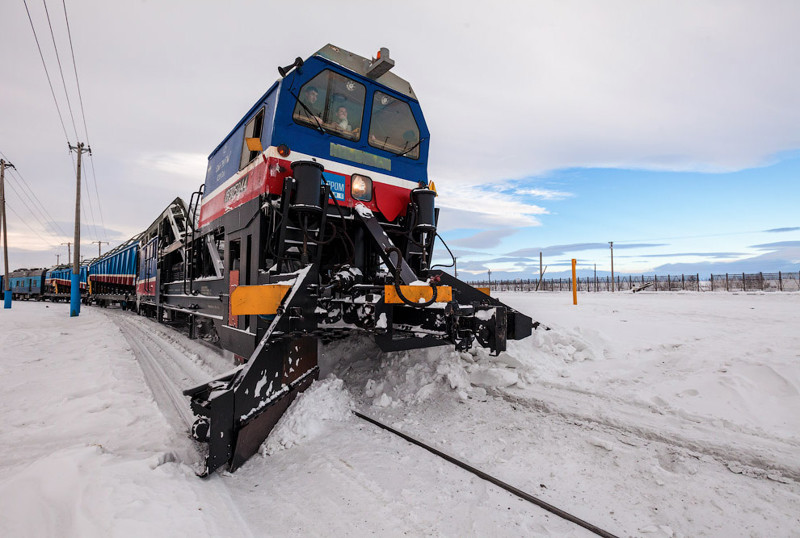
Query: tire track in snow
x=761 y=457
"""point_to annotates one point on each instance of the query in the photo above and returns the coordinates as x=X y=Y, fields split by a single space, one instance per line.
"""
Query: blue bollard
x=7 y=299
x=75 y=296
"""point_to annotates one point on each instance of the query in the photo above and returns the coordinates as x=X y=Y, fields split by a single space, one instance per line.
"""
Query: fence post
x=669 y=284
x=698 y=281
x=726 y=282
x=761 y=276
x=744 y=283
x=780 y=281
x=712 y=281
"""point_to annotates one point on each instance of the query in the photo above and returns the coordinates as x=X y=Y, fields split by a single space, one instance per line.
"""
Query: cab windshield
x=332 y=102
x=393 y=127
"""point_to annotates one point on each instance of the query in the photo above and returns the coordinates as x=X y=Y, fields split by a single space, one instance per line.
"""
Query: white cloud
x=184 y=164
x=470 y=206
x=545 y=194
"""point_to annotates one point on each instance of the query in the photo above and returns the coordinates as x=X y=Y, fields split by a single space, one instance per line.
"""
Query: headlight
x=361 y=187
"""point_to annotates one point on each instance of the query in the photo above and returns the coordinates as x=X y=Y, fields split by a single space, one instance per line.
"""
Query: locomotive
x=316 y=219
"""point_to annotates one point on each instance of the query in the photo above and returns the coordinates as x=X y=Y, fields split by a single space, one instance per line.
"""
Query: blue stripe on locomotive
x=280 y=128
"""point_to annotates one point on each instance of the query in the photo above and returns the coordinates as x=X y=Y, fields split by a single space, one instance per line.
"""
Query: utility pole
x=58 y=259
x=612 y=264
x=69 y=250
x=541 y=272
x=455 y=265
x=98 y=246
x=6 y=283
x=490 y=278
x=75 y=285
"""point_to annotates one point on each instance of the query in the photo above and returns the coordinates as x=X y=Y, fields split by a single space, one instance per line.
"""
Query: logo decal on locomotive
x=336 y=183
x=237 y=190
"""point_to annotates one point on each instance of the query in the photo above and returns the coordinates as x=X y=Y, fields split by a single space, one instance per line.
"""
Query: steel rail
x=508 y=487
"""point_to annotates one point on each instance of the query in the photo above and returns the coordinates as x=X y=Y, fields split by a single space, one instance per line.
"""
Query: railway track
x=167 y=367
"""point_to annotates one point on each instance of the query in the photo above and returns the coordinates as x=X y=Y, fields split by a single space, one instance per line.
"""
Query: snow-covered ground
x=647 y=414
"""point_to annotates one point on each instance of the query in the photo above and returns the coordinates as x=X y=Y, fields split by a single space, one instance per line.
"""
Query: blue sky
x=660 y=221
x=670 y=128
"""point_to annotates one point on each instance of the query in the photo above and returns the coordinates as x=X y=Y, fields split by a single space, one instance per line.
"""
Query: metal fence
x=779 y=281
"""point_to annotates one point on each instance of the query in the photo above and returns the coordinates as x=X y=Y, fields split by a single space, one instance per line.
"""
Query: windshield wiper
x=412 y=148
x=309 y=112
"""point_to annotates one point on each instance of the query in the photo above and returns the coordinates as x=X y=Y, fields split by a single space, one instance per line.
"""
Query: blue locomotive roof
x=348 y=60
x=280 y=100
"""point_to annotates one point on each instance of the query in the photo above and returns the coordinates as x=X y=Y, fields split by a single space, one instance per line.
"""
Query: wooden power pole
x=75 y=285
x=612 y=264
x=69 y=249
x=98 y=246
x=6 y=283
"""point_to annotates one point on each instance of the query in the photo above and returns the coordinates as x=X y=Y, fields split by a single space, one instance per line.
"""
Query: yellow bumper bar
x=417 y=294
x=258 y=300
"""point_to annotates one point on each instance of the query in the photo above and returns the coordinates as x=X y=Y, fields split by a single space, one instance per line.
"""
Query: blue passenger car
x=26 y=283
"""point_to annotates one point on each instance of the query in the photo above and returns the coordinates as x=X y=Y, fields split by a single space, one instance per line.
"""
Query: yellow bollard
x=574 y=284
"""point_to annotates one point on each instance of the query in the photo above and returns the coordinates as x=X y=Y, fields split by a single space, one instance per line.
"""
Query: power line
x=33 y=214
x=72 y=116
x=60 y=70
x=36 y=218
x=89 y=200
x=75 y=69
x=26 y=224
x=52 y=92
x=83 y=115
x=97 y=194
x=83 y=207
x=41 y=207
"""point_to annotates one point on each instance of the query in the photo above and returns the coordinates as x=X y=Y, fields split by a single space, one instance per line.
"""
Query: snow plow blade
x=237 y=411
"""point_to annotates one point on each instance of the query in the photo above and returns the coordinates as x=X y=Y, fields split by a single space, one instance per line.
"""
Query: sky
x=669 y=128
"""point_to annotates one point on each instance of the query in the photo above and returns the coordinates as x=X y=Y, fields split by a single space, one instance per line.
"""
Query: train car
x=58 y=282
x=162 y=257
x=26 y=284
x=112 y=276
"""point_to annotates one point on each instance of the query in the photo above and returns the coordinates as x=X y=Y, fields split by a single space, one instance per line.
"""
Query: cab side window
x=333 y=103
x=393 y=127
x=251 y=146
